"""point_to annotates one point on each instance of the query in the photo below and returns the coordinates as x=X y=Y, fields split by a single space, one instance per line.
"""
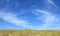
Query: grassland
x=29 y=33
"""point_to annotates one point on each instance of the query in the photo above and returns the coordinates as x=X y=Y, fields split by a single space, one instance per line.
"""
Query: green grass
x=29 y=33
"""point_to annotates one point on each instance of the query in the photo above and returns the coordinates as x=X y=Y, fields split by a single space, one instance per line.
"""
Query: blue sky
x=30 y=14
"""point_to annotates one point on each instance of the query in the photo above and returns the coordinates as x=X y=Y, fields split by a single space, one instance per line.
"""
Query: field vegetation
x=29 y=33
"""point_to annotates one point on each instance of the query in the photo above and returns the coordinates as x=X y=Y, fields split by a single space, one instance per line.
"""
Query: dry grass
x=29 y=33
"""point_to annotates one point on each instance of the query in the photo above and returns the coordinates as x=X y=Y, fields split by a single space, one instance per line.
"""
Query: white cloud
x=51 y=2
x=11 y=18
x=43 y=11
x=48 y=19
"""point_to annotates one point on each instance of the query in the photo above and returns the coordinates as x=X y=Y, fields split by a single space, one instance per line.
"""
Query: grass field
x=29 y=33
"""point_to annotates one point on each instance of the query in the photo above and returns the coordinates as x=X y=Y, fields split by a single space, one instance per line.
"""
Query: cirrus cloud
x=48 y=19
x=11 y=18
x=51 y=2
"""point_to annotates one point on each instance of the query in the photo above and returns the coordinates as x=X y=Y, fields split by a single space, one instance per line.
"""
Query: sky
x=30 y=14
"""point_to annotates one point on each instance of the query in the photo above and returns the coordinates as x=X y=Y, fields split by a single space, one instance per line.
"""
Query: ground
x=29 y=33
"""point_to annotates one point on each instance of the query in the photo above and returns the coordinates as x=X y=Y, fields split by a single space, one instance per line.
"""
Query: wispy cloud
x=51 y=2
x=11 y=18
x=48 y=19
